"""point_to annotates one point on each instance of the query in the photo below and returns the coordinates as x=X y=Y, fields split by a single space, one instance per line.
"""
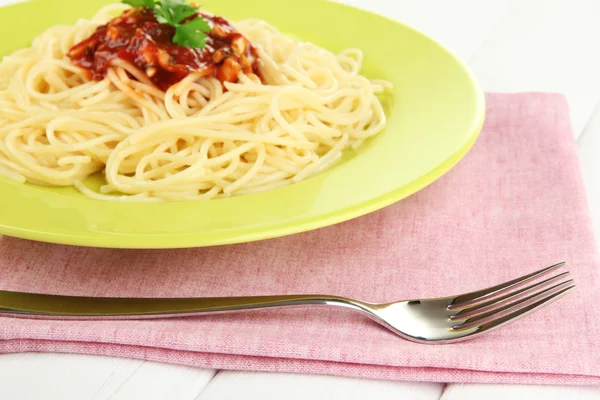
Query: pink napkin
x=516 y=203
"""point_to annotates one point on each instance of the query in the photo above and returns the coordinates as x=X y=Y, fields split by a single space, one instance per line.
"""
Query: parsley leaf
x=173 y=3
x=174 y=12
x=181 y=12
x=163 y=16
x=140 y=3
x=192 y=34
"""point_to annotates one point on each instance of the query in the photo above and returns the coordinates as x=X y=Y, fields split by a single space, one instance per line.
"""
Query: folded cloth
x=514 y=204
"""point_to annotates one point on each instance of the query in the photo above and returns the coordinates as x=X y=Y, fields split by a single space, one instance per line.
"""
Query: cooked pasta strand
x=200 y=139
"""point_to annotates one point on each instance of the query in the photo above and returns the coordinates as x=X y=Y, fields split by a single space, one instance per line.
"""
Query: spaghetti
x=285 y=118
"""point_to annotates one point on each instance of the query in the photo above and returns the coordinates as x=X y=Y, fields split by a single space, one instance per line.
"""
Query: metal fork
x=441 y=320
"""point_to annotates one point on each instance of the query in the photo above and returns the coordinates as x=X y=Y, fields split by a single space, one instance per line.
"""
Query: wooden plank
x=267 y=386
x=520 y=392
x=589 y=157
x=65 y=376
x=547 y=45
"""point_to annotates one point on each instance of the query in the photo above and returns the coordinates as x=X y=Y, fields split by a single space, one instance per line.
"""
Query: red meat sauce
x=136 y=37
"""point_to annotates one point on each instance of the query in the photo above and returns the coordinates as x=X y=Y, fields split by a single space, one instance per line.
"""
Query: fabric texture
x=514 y=204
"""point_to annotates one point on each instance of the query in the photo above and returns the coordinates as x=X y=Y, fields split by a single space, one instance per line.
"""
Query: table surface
x=512 y=46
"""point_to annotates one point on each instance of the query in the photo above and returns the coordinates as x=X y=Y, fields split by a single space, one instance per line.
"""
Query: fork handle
x=45 y=306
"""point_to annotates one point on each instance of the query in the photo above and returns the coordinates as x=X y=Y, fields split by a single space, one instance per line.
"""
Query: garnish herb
x=174 y=12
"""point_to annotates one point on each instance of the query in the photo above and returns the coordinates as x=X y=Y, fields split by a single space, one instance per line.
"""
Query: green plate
x=435 y=113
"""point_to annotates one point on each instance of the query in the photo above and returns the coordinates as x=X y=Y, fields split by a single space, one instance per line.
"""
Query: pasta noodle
x=199 y=139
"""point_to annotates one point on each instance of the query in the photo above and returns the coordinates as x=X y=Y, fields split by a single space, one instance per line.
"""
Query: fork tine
x=480 y=296
x=483 y=308
x=521 y=312
x=514 y=307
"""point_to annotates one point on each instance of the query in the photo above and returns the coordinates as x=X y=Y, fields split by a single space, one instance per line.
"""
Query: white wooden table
x=512 y=46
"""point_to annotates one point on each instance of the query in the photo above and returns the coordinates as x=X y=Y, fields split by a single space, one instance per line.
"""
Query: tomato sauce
x=138 y=38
